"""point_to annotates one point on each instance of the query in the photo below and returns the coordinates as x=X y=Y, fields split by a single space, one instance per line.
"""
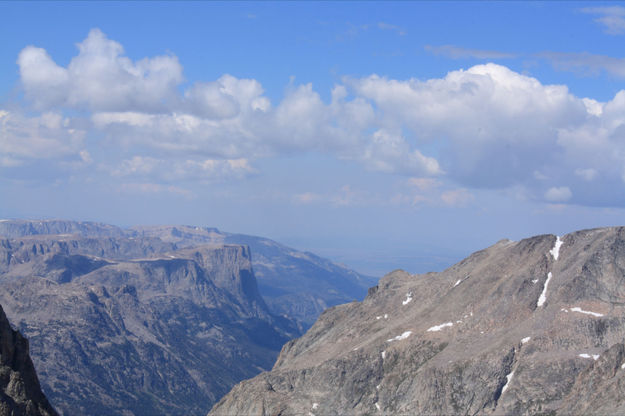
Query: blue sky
x=382 y=135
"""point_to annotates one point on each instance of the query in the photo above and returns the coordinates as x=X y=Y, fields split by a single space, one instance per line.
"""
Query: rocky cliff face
x=136 y=325
x=528 y=327
x=293 y=283
x=20 y=393
x=297 y=284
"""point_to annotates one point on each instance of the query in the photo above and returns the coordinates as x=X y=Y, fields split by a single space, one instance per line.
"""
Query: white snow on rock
x=385 y=316
x=380 y=316
x=383 y=354
x=564 y=310
x=461 y=280
x=525 y=340
x=535 y=281
x=439 y=327
x=555 y=251
x=400 y=337
x=593 y=356
x=543 y=296
x=377 y=406
x=408 y=298
x=580 y=310
x=623 y=366
x=315 y=405
x=508 y=377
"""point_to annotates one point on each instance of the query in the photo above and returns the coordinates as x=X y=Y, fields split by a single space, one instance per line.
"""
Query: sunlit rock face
x=529 y=327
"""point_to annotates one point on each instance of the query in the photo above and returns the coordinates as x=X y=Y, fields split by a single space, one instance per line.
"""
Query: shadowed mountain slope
x=20 y=392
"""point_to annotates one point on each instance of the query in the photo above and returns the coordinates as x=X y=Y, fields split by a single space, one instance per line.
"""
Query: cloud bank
x=485 y=127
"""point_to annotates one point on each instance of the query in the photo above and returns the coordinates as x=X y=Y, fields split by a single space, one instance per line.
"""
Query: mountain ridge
x=519 y=327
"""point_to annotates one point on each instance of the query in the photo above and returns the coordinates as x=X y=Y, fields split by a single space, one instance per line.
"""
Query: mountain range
x=529 y=327
x=153 y=320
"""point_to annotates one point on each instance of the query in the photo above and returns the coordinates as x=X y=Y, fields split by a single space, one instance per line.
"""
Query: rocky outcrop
x=297 y=284
x=168 y=333
x=20 y=393
x=528 y=327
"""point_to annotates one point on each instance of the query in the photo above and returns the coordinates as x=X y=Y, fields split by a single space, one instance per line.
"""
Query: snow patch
x=564 y=310
x=623 y=366
x=580 y=310
x=458 y=322
x=439 y=327
x=408 y=298
x=555 y=251
x=383 y=354
x=377 y=387
x=535 y=281
x=525 y=340
x=508 y=377
x=377 y=406
x=385 y=316
x=593 y=356
x=543 y=296
x=400 y=337
x=461 y=280
x=315 y=405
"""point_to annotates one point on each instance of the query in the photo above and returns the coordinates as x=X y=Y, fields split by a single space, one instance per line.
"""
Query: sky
x=382 y=135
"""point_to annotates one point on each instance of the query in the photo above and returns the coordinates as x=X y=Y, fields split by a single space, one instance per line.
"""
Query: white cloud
x=457 y=52
x=390 y=153
x=495 y=126
x=558 y=194
x=154 y=188
x=183 y=170
x=586 y=174
x=46 y=136
x=100 y=78
x=457 y=197
x=612 y=18
x=483 y=127
x=586 y=64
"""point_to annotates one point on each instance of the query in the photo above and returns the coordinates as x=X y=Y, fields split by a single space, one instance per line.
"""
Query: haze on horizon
x=380 y=135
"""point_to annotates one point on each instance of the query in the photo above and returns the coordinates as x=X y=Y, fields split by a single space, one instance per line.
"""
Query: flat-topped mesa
x=472 y=339
x=20 y=392
x=20 y=228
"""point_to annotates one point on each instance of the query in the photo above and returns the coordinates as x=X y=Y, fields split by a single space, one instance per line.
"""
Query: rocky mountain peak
x=520 y=327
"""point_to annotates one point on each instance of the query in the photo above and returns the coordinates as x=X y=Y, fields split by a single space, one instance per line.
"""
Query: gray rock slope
x=297 y=284
x=20 y=393
x=529 y=327
x=133 y=325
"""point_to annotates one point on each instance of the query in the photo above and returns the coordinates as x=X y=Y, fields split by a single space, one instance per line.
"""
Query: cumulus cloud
x=482 y=127
x=99 y=78
x=558 y=194
x=46 y=136
x=496 y=126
